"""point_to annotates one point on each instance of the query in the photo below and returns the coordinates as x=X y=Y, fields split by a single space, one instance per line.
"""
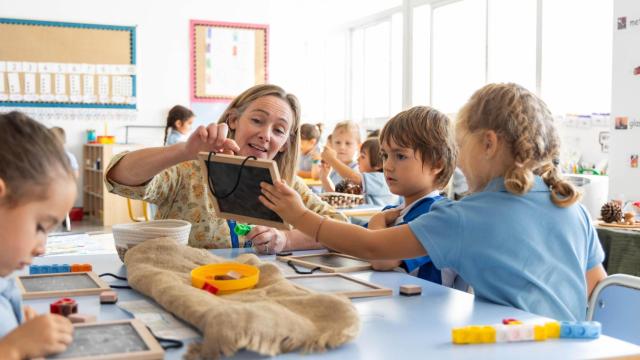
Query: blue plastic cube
x=55 y=268
x=34 y=269
x=580 y=329
x=45 y=269
x=65 y=268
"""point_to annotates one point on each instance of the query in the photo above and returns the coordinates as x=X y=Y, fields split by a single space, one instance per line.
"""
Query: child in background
x=37 y=189
x=179 y=123
x=414 y=142
x=309 y=149
x=370 y=177
x=345 y=142
x=520 y=238
x=62 y=137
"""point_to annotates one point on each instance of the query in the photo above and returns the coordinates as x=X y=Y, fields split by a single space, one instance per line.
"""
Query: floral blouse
x=181 y=192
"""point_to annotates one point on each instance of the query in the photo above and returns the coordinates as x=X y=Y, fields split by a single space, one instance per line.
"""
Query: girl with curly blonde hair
x=520 y=239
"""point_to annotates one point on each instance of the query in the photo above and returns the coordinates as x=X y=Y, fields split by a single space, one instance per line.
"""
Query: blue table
x=392 y=327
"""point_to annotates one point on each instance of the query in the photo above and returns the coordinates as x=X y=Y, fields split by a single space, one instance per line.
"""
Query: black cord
x=169 y=343
x=113 y=276
x=116 y=277
x=237 y=179
x=298 y=271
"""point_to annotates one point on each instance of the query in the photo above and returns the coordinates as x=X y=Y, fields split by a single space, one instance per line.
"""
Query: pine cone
x=348 y=187
x=611 y=212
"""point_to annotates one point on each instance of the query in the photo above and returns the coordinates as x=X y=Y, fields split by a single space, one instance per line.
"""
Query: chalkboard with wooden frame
x=112 y=340
x=60 y=284
x=340 y=284
x=329 y=262
x=235 y=185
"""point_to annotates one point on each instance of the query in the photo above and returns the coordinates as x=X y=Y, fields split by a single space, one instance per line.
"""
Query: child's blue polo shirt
x=519 y=251
x=10 y=306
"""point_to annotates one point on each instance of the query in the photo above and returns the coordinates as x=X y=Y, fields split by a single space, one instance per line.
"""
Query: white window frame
x=407 y=71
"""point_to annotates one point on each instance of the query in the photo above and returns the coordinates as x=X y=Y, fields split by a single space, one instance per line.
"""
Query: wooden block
x=108 y=297
x=409 y=290
x=82 y=318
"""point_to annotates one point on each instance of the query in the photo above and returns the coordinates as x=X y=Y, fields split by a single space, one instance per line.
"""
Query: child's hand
x=324 y=170
x=210 y=138
x=29 y=313
x=283 y=200
x=384 y=218
x=267 y=240
x=43 y=335
x=385 y=265
x=329 y=155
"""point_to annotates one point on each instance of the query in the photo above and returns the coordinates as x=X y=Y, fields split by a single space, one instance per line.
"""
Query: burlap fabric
x=273 y=318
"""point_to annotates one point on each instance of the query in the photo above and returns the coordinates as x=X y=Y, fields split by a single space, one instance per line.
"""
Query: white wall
x=303 y=59
x=625 y=180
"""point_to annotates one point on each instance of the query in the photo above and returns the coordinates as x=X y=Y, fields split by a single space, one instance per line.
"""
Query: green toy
x=242 y=229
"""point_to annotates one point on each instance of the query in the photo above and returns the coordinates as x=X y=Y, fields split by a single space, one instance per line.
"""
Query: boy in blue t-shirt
x=418 y=156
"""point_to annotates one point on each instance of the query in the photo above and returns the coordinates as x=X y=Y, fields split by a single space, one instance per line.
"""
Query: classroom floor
x=85 y=226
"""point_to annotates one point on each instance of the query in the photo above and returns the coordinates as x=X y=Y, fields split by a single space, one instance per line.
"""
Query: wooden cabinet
x=102 y=207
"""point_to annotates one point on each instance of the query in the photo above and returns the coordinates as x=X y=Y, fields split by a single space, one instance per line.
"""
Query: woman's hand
x=210 y=138
x=283 y=200
x=267 y=240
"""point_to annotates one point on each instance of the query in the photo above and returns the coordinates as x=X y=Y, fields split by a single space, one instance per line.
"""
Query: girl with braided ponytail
x=520 y=239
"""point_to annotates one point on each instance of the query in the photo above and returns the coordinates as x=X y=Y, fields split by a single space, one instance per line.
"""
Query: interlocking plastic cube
x=55 y=268
x=580 y=329
x=65 y=268
x=34 y=269
x=64 y=307
x=552 y=329
x=474 y=335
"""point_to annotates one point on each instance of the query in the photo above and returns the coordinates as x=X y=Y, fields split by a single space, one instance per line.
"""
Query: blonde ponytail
x=518 y=179
x=563 y=193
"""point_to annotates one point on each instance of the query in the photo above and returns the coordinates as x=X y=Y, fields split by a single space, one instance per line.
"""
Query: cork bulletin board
x=61 y=64
x=226 y=59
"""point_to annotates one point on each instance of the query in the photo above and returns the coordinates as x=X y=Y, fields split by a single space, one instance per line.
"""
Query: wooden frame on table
x=270 y=165
x=226 y=59
x=375 y=290
x=619 y=226
x=101 y=286
x=305 y=260
x=154 y=350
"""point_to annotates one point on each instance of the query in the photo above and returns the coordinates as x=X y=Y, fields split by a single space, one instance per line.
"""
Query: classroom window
x=421 y=45
x=562 y=53
x=458 y=47
x=511 y=45
x=576 y=55
x=376 y=71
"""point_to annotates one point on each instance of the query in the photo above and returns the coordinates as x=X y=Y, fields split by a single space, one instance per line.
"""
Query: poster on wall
x=624 y=171
x=50 y=64
x=226 y=59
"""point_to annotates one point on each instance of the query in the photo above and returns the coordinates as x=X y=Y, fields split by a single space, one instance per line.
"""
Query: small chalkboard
x=329 y=262
x=61 y=284
x=124 y=339
x=339 y=284
x=235 y=183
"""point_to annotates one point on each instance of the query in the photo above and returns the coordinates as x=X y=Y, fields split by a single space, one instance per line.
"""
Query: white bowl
x=127 y=236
